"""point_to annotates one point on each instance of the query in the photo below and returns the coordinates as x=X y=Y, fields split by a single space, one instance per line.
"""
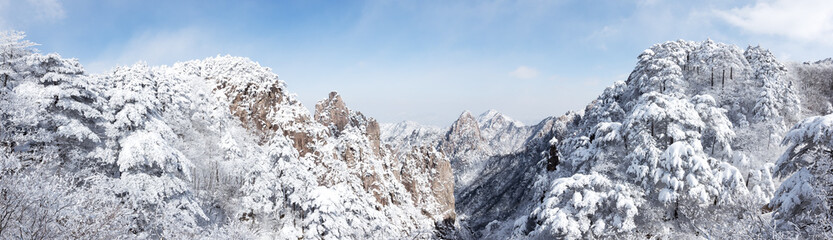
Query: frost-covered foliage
x=51 y=178
x=583 y=206
x=215 y=148
x=803 y=201
x=48 y=106
x=815 y=81
x=680 y=142
x=37 y=205
x=219 y=149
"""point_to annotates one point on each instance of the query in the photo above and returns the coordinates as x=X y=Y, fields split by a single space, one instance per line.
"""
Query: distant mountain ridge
x=684 y=102
x=686 y=147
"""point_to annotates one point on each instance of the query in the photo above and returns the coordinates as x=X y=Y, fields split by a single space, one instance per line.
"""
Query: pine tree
x=153 y=176
x=803 y=201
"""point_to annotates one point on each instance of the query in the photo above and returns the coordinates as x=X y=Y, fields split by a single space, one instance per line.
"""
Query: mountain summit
x=687 y=146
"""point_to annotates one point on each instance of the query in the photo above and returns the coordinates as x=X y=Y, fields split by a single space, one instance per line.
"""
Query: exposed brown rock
x=373 y=133
x=436 y=199
x=442 y=186
x=332 y=112
x=370 y=184
x=253 y=109
x=425 y=172
x=463 y=136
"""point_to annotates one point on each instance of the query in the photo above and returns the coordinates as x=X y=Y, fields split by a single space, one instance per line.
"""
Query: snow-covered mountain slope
x=503 y=134
x=686 y=147
x=470 y=142
x=488 y=156
x=489 y=159
x=814 y=82
x=686 y=142
x=492 y=177
x=214 y=148
x=407 y=133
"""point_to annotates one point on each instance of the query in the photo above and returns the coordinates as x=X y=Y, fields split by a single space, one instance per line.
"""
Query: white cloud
x=47 y=9
x=806 y=20
x=19 y=13
x=524 y=72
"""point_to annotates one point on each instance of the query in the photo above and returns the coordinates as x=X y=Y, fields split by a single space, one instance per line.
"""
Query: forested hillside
x=702 y=140
x=213 y=148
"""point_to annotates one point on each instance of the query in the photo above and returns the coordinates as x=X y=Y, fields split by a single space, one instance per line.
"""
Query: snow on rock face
x=256 y=96
x=470 y=142
x=464 y=135
x=491 y=179
x=332 y=112
x=426 y=171
x=493 y=119
x=390 y=175
x=669 y=137
x=342 y=152
x=505 y=135
x=427 y=175
x=407 y=133
x=213 y=148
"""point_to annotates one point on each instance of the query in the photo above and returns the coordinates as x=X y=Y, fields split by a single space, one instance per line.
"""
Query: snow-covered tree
x=153 y=176
x=50 y=106
x=803 y=201
x=586 y=205
x=660 y=68
x=718 y=134
x=656 y=122
x=684 y=175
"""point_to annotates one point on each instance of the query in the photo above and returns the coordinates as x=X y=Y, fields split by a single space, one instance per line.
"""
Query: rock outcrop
x=333 y=150
x=424 y=172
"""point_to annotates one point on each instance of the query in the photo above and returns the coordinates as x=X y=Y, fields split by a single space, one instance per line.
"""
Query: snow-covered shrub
x=586 y=205
x=803 y=201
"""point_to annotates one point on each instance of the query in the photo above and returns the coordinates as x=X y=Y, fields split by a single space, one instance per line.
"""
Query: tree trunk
x=712 y=79
x=687 y=57
x=652 y=129
x=713 y=147
x=625 y=138
x=663 y=86
x=676 y=209
x=723 y=79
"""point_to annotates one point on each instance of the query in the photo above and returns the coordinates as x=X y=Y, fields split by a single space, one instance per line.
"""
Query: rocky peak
x=424 y=164
x=332 y=112
x=256 y=96
x=465 y=129
x=826 y=61
x=493 y=123
x=408 y=133
x=494 y=118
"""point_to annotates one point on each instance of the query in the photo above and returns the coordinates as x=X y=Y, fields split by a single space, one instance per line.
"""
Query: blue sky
x=425 y=61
